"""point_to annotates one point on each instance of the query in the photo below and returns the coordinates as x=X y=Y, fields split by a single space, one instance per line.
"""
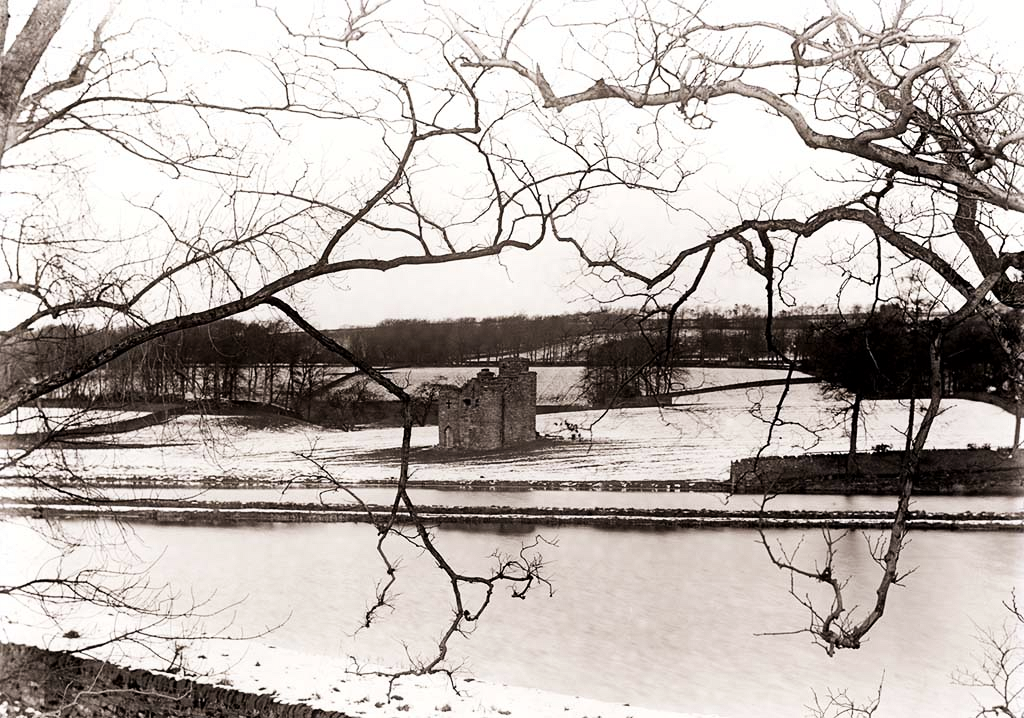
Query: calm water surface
x=660 y=619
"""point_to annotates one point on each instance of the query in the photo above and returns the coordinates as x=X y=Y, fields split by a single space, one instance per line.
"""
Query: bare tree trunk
x=23 y=56
x=836 y=629
x=1019 y=406
x=910 y=421
x=855 y=425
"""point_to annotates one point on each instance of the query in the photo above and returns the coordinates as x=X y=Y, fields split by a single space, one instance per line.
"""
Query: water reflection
x=568 y=499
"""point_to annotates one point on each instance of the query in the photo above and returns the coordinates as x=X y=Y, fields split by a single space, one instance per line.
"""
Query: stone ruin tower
x=490 y=411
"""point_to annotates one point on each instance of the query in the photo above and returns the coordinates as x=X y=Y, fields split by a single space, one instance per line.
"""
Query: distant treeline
x=203 y=362
x=270 y=362
x=548 y=339
x=885 y=354
x=734 y=335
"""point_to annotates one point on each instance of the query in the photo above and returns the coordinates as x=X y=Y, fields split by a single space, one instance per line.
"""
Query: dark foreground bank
x=33 y=681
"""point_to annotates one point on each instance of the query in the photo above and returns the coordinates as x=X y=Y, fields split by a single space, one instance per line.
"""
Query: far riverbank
x=154 y=510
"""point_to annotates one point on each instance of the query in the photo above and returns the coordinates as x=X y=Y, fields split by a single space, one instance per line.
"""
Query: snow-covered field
x=693 y=440
x=330 y=683
x=555 y=384
x=561 y=385
x=29 y=420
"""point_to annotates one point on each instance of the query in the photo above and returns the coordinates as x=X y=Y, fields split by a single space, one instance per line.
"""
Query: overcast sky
x=748 y=154
x=757 y=152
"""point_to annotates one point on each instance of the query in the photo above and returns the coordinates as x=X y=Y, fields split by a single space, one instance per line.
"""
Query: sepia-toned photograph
x=575 y=359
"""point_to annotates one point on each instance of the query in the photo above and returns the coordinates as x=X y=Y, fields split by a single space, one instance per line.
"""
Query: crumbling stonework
x=490 y=411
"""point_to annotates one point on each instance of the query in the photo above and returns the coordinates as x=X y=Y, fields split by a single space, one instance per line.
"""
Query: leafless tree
x=1000 y=669
x=154 y=180
x=522 y=571
x=923 y=143
x=839 y=704
x=922 y=140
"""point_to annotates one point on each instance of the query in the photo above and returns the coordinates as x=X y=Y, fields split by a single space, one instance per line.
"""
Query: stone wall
x=520 y=410
x=35 y=680
x=490 y=411
x=471 y=416
x=941 y=471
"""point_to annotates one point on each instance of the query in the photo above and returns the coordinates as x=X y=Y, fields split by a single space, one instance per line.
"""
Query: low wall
x=942 y=471
x=33 y=679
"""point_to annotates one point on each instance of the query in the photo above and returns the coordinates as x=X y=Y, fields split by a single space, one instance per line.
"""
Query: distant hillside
x=272 y=363
x=561 y=339
x=737 y=334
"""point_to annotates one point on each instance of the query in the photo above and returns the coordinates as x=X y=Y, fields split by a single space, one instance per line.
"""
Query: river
x=663 y=619
x=561 y=499
x=670 y=619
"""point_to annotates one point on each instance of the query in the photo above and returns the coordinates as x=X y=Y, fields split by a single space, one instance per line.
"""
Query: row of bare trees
x=878 y=355
x=229 y=359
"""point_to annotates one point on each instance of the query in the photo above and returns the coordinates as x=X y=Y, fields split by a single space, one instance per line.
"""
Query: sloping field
x=691 y=441
x=555 y=384
x=31 y=420
x=560 y=385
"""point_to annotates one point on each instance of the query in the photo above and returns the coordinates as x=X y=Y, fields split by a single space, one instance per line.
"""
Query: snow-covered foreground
x=695 y=440
x=331 y=683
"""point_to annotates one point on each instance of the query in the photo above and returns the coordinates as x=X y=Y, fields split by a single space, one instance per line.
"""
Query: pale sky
x=548 y=280
x=754 y=152
x=748 y=154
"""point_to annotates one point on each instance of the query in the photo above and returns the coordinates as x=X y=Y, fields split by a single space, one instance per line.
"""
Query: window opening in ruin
x=497 y=409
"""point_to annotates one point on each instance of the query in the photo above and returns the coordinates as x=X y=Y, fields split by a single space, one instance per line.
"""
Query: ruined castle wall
x=447 y=418
x=520 y=421
x=484 y=420
x=471 y=418
x=490 y=411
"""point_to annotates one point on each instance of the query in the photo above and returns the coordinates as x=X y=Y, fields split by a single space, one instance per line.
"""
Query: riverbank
x=525 y=517
x=221 y=679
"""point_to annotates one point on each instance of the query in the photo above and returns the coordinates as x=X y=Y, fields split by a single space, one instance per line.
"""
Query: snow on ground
x=555 y=384
x=333 y=684
x=693 y=440
x=560 y=385
x=29 y=420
